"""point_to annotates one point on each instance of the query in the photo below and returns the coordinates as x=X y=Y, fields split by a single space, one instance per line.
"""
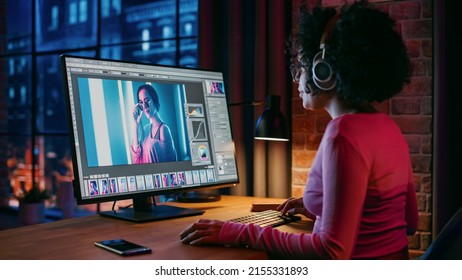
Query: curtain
x=246 y=41
x=447 y=127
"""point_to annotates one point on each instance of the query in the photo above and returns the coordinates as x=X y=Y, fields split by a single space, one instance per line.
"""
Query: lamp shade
x=272 y=125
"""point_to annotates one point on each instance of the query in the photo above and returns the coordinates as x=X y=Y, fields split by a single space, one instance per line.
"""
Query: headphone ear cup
x=323 y=74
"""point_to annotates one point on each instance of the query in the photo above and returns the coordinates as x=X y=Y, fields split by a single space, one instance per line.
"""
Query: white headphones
x=323 y=74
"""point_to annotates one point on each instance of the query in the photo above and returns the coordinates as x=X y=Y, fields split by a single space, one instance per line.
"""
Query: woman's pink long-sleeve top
x=360 y=188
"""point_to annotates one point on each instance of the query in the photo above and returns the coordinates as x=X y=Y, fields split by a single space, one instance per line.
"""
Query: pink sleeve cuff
x=230 y=232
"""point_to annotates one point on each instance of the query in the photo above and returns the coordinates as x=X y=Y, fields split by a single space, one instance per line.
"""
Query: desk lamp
x=272 y=125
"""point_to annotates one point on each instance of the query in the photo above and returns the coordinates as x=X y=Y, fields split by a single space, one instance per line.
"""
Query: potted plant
x=32 y=206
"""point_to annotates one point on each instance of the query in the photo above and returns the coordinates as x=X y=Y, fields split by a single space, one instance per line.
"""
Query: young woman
x=360 y=188
x=153 y=142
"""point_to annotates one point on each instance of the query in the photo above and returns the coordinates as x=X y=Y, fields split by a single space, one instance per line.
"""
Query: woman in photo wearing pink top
x=152 y=142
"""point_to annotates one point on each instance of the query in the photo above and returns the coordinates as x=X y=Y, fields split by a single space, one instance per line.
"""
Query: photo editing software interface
x=147 y=129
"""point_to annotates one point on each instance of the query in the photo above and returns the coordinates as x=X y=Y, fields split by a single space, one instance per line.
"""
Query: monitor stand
x=144 y=210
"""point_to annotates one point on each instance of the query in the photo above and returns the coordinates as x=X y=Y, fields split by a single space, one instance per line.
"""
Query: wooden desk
x=73 y=238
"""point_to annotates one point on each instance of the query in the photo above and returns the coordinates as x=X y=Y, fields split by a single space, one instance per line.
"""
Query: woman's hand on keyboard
x=202 y=232
x=294 y=206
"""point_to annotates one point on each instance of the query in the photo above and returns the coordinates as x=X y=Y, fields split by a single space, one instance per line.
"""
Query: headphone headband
x=330 y=25
x=322 y=72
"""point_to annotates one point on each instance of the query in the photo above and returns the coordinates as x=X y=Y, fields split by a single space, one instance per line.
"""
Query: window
x=158 y=32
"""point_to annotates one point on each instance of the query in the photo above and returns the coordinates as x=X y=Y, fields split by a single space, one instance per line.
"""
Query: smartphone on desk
x=123 y=247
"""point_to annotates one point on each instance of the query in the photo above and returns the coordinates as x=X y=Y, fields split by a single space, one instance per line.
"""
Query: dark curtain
x=447 y=138
x=246 y=41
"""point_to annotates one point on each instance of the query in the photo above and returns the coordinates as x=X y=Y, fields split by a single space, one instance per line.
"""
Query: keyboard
x=271 y=218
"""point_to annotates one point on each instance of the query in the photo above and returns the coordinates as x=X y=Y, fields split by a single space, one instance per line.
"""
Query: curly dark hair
x=364 y=49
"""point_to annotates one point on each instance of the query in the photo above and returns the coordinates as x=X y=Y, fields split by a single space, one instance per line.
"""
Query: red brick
x=297 y=107
x=427 y=144
x=298 y=141
x=297 y=191
x=299 y=176
x=315 y=113
x=426 y=186
x=405 y=106
x=303 y=158
x=415 y=254
x=419 y=67
x=417 y=182
x=427 y=48
x=414 y=241
x=303 y=124
x=417 y=29
x=413 y=47
x=424 y=222
x=421 y=163
x=427 y=8
x=425 y=240
x=427 y=105
x=313 y=140
x=422 y=202
x=430 y=68
x=414 y=124
x=321 y=123
x=405 y=10
x=413 y=142
x=419 y=86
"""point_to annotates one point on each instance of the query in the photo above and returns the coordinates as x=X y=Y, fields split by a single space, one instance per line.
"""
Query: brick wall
x=411 y=109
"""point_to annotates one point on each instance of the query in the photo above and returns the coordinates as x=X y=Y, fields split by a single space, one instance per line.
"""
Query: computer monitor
x=142 y=130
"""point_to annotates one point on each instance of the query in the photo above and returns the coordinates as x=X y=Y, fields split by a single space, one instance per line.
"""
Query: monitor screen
x=141 y=130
